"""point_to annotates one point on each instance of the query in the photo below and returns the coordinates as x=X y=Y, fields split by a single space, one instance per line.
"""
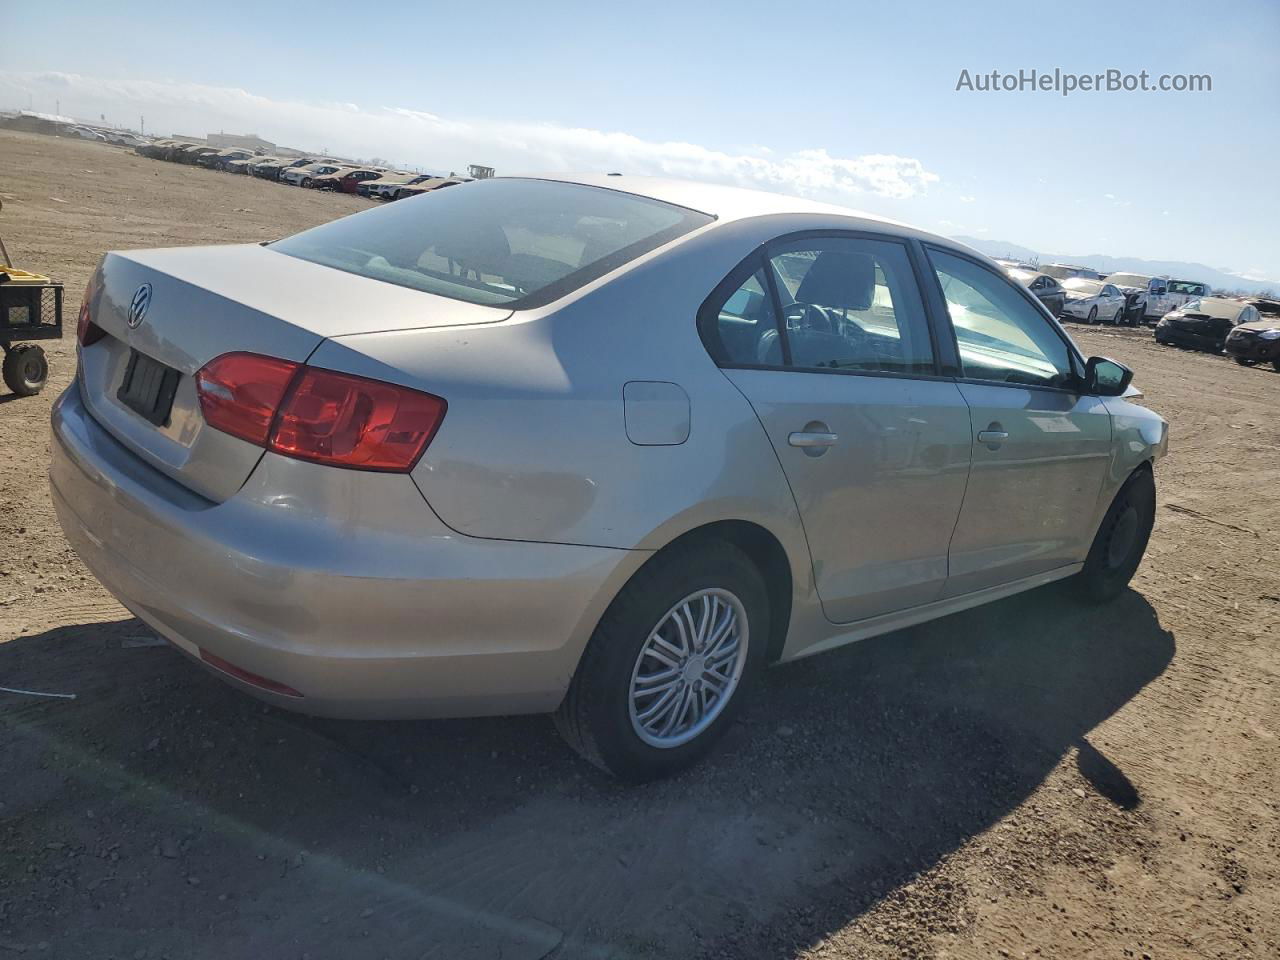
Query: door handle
x=810 y=440
x=993 y=436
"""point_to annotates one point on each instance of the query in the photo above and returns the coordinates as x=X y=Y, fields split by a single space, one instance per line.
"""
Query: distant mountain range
x=1219 y=280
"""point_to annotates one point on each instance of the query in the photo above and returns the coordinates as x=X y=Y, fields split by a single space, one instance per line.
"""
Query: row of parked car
x=1183 y=312
x=1081 y=293
x=315 y=173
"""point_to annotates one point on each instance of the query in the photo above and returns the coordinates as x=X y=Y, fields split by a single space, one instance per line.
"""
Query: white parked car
x=1092 y=301
x=302 y=176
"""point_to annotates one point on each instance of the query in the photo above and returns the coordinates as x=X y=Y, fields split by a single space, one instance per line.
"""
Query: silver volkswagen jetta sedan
x=603 y=446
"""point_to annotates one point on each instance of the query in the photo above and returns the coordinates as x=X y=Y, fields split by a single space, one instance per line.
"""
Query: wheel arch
x=768 y=555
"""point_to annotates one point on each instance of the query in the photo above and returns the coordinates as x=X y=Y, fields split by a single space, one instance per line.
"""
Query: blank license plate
x=148 y=388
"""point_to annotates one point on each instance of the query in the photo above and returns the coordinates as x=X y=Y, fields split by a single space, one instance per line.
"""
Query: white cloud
x=438 y=143
x=966 y=199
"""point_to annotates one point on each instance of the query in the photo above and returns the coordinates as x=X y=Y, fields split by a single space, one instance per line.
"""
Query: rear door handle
x=993 y=436
x=806 y=439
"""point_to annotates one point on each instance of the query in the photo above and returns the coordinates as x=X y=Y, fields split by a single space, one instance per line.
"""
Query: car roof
x=726 y=203
x=739 y=203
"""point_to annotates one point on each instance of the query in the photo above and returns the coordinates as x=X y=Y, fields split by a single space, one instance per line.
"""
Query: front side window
x=504 y=242
x=849 y=304
x=1001 y=336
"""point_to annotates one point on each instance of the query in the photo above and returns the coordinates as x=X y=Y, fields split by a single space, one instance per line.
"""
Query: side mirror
x=1106 y=378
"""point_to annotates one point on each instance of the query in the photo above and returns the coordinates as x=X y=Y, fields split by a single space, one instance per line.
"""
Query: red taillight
x=241 y=392
x=348 y=421
x=88 y=332
x=318 y=415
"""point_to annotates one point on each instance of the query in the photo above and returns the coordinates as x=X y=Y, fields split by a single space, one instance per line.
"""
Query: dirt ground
x=1031 y=779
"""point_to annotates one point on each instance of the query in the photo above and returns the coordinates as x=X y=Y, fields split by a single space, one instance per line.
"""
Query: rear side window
x=503 y=242
x=737 y=337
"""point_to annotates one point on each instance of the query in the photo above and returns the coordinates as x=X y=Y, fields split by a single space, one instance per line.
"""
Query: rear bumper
x=341 y=585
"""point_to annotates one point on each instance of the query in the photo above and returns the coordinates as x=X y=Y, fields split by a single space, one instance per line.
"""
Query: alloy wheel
x=688 y=668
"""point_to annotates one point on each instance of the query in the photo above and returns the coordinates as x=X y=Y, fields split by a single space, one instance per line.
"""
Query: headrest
x=476 y=245
x=841 y=279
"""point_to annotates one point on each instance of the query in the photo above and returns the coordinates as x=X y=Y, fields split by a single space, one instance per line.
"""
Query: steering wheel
x=808 y=316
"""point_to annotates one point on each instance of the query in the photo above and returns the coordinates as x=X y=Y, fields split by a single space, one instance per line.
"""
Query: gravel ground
x=1031 y=779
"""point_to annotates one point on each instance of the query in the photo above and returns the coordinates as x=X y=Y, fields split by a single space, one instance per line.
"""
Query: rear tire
x=643 y=635
x=1121 y=540
x=25 y=369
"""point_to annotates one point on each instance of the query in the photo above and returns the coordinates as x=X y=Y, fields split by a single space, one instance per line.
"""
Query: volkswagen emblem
x=138 y=308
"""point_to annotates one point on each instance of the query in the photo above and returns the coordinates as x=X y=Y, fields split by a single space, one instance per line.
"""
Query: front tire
x=670 y=662
x=1093 y=316
x=1121 y=540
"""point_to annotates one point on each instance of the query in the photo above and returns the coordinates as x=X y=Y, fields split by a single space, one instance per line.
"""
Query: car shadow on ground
x=162 y=809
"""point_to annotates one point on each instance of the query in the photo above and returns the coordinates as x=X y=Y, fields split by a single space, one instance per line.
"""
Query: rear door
x=1041 y=448
x=827 y=337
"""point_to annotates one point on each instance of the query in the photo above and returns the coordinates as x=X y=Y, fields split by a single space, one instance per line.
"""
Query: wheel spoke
x=682 y=627
x=658 y=681
x=708 y=610
x=726 y=652
x=697 y=705
x=663 y=704
x=724 y=629
x=716 y=683
x=673 y=716
x=663 y=652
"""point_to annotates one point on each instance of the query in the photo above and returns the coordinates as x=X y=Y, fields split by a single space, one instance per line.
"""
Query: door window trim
x=1073 y=354
x=758 y=259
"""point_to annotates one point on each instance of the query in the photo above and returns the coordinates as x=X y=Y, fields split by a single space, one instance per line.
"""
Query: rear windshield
x=512 y=242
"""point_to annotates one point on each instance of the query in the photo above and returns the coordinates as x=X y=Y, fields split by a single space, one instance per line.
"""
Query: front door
x=1040 y=448
x=874 y=445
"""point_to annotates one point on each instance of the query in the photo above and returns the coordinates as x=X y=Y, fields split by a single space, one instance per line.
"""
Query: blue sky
x=852 y=102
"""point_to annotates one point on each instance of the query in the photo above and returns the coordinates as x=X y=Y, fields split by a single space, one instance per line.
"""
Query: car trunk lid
x=202 y=302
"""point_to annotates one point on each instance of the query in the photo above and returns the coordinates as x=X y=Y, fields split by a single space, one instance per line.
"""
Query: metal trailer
x=30 y=309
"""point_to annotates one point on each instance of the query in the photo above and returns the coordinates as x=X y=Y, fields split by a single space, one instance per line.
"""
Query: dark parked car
x=219 y=159
x=1204 y=324
x=1047 y=290
x=1257 y=341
